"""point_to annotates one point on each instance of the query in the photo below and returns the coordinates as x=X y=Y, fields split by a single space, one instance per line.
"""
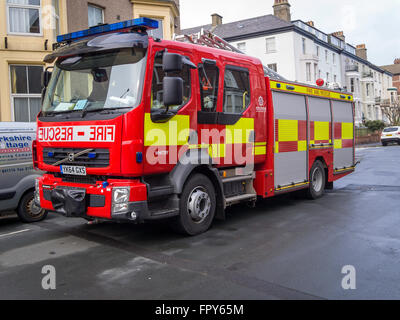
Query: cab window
x=157 y=85
x=209 y=75
x=236 y=90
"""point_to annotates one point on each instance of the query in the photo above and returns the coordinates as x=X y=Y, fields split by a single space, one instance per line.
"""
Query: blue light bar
x=145 y=23
x=50 y=154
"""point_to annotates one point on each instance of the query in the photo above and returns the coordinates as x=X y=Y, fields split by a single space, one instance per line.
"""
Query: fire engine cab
x=134 y=129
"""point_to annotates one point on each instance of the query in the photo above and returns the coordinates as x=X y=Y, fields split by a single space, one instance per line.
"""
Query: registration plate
x=389 y=135
x=73 y=170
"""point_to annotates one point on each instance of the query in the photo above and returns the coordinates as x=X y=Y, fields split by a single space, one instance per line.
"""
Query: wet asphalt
x=285 y=248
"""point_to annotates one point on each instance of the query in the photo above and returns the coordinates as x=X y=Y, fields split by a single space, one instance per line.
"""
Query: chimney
x=216 y=20
x=397 y=61
x=310 y=23
x=361 y=51
x=282 y=10
x=340 y=35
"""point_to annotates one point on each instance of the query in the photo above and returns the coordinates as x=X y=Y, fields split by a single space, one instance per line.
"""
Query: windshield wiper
x=102 y=109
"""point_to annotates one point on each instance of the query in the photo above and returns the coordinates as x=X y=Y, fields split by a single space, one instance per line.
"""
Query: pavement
x=285 y=248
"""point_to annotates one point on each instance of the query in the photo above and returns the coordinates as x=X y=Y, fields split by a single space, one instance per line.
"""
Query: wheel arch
x=199 y=162
x=326 y=168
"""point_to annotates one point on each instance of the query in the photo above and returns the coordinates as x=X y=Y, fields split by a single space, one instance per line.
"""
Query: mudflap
x=69 y=202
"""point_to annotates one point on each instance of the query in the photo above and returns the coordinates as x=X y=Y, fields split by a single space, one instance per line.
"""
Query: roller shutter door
x=291 y=150
x=343 y=135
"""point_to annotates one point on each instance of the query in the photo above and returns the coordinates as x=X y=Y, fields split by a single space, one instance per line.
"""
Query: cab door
x=225 y=123
x=166 y=139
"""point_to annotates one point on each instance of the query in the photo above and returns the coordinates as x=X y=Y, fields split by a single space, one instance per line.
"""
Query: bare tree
x=391 y=111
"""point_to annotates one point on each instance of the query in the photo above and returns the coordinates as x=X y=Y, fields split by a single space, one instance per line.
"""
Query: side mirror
x=173 y=91
x=46 y=78
x=172 y=62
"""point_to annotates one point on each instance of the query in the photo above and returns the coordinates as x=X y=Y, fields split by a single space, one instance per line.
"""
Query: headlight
x=121 y=195
x=37 y=192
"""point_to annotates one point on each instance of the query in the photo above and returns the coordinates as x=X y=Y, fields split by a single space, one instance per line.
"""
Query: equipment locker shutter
x=320 y=121
x=290 y=139
x=343 y=135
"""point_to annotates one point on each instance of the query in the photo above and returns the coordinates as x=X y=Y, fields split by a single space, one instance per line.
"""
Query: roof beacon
x=136 y=24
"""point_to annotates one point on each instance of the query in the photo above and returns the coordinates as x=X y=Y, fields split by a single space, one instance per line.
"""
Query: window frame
x=271 y=66
x=308 y=72
x=232 y=67
x=102 y=13
x=22 y=95
x=56 y=17
x=24 y=6
x=268 y=51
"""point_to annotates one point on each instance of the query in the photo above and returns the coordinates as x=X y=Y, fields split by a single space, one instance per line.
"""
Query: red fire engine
x=134 y=129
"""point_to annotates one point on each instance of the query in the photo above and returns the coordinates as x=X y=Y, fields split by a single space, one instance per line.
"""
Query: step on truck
x=134 y=129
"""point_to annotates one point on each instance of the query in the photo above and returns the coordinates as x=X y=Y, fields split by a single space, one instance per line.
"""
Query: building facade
x=28 y=29
x=299 y=51
x=395 y=70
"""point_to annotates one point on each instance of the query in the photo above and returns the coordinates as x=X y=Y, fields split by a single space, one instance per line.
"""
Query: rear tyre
x=384 y=144
x=197 y=206
x=317 y=181
x=28 y=211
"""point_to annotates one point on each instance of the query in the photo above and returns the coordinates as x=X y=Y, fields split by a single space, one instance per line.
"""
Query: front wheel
x=28 y=211
x=197 y=206
x=317 y=181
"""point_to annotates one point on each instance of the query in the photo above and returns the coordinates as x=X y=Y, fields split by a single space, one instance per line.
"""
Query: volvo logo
x=72 y=156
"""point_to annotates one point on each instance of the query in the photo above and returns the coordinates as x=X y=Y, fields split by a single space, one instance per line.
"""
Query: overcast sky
x=375 y=23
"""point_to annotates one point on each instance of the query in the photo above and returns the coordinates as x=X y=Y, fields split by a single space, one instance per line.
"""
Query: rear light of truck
x=34 y=155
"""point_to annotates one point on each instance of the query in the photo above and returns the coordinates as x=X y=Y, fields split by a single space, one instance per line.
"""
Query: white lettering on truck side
x=77 y=134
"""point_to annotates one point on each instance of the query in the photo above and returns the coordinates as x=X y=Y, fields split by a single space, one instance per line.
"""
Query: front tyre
x=197 y=206
x=317 y=181
x=28 y=211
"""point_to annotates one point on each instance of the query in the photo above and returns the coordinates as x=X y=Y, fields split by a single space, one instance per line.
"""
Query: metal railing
x=367 y=74
x=351 y=68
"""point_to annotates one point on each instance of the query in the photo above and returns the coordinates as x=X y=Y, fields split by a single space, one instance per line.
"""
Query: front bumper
x=93 y=201
x=390 y=139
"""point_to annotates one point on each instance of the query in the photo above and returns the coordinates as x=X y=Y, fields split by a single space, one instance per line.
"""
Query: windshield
x=390 y=129
x=97 y=82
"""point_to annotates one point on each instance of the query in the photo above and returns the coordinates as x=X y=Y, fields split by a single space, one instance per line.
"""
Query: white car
x=391 y=134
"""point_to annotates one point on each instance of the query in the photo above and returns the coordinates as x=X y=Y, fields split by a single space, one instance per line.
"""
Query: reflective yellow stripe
x=338 y=144
x=275 y=85
x=288 y=130
x=345 y=169
x=302 y=145
x=260 y=151
x=277 y=147
x=217 y=150
x=321 y=131
x=347 y=131
x=292 y=186
x=172 y=133
x=240 y=132
x=260 y=144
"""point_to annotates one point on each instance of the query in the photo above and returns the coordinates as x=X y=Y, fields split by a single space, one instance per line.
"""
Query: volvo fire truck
x=134 y=129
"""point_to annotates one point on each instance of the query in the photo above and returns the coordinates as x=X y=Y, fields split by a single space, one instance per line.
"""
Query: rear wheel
x=317 y=181
x=384 y=144
x=28 y=211
x=197 y=206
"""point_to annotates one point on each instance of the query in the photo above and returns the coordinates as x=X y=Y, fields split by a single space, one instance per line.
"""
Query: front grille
x=100 y=160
